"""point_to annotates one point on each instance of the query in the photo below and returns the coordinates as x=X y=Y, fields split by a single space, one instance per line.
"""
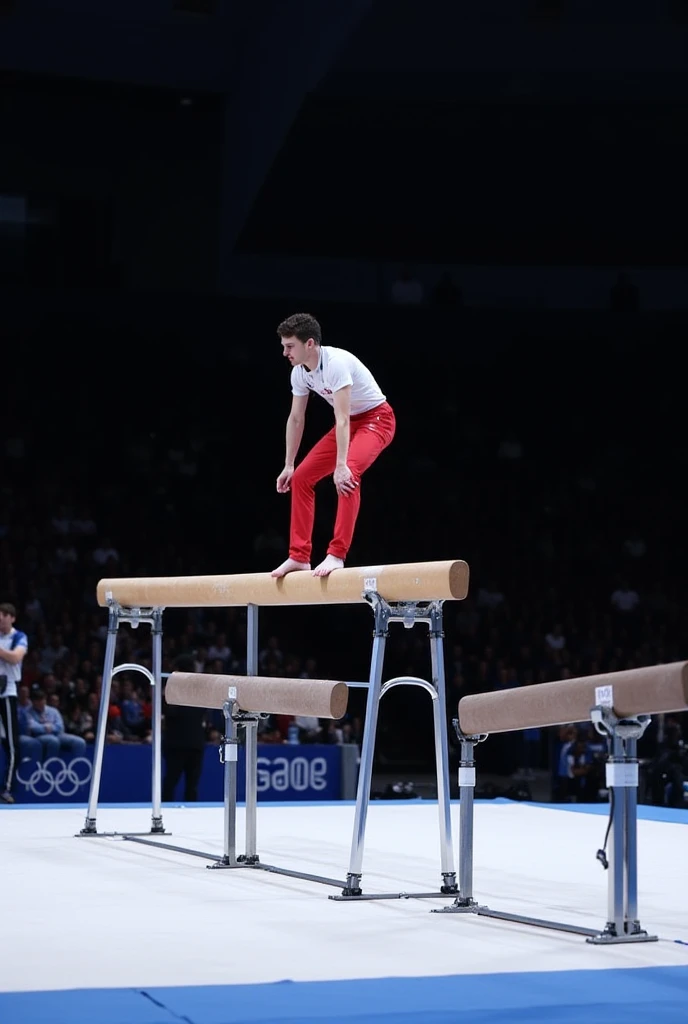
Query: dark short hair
x=302 y=326
x=37 y=694
x=8 y=609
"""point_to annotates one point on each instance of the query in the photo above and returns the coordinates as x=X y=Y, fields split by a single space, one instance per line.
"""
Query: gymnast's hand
x=344 y=481
x=284 y=480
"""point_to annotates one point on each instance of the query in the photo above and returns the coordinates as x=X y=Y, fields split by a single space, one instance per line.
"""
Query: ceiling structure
x=340 y=90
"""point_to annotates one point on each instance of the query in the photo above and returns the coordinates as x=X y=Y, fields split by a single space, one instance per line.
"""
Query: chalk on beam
x=655 y=690
x=321 y=698
x=414 y=581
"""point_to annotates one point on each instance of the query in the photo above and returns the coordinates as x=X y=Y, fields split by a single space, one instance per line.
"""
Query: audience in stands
x=572 y=572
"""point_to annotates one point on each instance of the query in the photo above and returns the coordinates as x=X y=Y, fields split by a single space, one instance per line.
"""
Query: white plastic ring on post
x=131 y=667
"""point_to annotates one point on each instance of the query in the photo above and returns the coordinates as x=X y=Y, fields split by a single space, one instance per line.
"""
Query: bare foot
x=327 y=565
x=290 y=566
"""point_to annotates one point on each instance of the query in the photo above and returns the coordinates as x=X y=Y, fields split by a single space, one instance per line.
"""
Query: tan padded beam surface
x=415 y=581
x=320 y=697
x=642 y=691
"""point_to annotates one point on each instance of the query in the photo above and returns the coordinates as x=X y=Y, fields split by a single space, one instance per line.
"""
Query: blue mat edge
x=416 y=998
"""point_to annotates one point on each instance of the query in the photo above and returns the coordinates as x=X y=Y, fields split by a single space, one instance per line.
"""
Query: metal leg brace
x=134 y=616
x=229 y=755
x=622 y=780
x=409 y=614
x=622 y=924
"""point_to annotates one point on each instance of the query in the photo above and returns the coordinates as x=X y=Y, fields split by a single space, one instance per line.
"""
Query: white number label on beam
x=604 y=696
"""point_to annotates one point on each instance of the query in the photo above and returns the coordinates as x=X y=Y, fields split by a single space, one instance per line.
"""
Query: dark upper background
x=177 y=177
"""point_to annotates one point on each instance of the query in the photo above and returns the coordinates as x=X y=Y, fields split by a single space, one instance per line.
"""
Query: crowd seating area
x=547 y=452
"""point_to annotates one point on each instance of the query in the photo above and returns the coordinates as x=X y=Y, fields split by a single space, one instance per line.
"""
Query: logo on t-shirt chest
x=317 y=386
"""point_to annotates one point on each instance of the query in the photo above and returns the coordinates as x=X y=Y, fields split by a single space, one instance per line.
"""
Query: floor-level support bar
x=622 y=885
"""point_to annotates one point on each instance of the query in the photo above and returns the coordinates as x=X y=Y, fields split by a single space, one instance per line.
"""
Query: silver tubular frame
x=229 y=755
x=622 y=923
x=251 y=738
x=134 y=617
x=410 y=614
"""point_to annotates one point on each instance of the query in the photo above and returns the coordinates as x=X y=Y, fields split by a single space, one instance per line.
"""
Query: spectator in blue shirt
x=45 y=724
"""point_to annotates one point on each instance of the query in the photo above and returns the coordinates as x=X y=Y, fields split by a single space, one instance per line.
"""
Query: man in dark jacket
x=183 y=742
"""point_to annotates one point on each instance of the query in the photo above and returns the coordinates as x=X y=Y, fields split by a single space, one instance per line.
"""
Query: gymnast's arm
x=295 y=424
x=343 y=477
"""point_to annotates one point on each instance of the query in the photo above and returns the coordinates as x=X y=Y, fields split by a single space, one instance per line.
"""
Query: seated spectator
x=490 y=596
x=407 y=290
x=83 y=524
x=132 y=715
x=309 y=728
x=183 y=742
x=219 y=650
x=555 y=639
x=268 y=730
x=34 y=613
x=46 y=725
x=79 y=722
x=624 y=598
x=271 y=654
x=105 y=553
x=52 y=652
x=333 y=733
x=579 y=771
x=668 y=769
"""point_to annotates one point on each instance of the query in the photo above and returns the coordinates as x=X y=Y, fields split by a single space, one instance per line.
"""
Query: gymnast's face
x=298 y=353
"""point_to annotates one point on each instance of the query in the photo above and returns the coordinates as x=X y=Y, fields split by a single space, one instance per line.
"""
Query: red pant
x=369 y=434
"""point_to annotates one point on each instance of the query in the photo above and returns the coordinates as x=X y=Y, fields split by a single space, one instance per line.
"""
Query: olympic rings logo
x=65 y=779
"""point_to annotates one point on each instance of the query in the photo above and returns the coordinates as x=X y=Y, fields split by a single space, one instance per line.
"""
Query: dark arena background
x=486 y=203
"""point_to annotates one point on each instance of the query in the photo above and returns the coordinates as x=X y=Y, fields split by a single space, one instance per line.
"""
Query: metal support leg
x=365 y=774
x=441 y=749
x=251 y=749
x=134 y=616
x=622 y=924
x=622 y=779
x=157 y=826
x=89 y=828
x=466 y=822
x=409 y=613
x=251 y=762
x=464 y=902
x=631 y=839
x=615 y=891
x=229 y=755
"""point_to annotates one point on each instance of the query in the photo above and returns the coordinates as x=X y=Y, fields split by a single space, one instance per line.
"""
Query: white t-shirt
x=337 y=369
x=9 y=642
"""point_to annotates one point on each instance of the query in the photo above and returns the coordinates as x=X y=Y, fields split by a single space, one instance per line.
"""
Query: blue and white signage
x=285 y=772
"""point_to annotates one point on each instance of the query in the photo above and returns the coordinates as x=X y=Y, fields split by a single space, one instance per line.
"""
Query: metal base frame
x=133 y=616
x=409 y=613
x=622 y=891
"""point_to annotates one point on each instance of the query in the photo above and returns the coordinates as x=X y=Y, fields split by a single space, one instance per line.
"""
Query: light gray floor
x=81 y=913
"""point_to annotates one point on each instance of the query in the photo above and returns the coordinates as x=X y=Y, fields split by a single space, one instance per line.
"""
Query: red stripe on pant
x=369 y=434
